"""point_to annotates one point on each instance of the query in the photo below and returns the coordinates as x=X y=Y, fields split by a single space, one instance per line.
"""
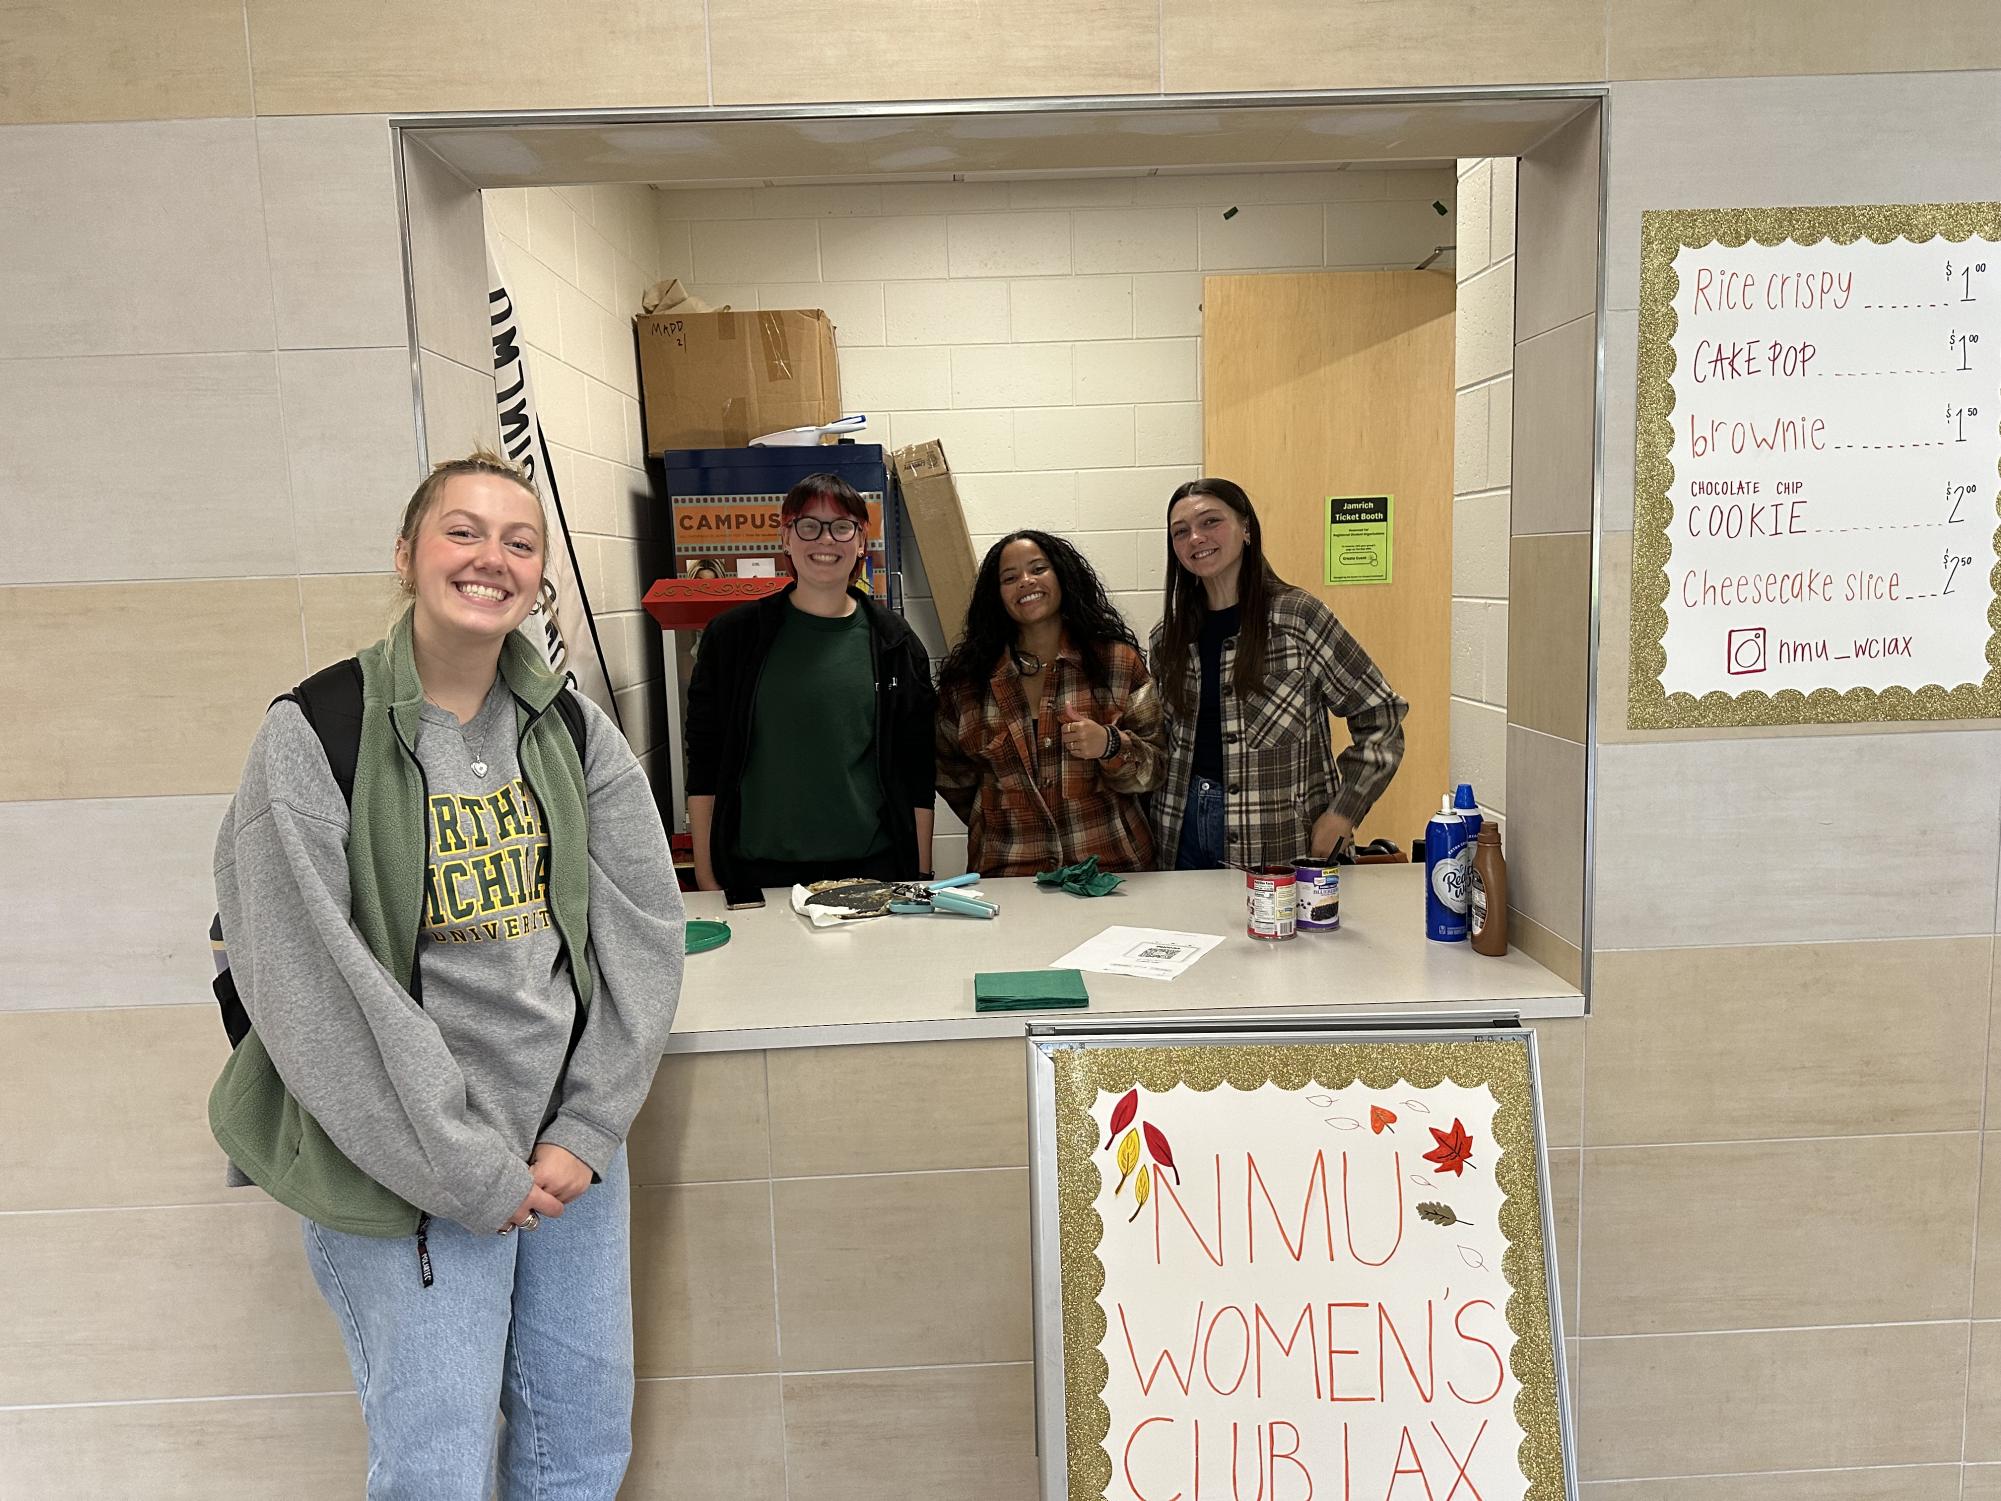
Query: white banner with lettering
x=561 y=624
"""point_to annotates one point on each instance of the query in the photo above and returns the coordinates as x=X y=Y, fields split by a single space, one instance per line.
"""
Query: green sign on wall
x=1358 y=538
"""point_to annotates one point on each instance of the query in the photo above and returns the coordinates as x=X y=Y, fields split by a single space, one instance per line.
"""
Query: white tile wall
x=1137 y=239
x=1048 y=332
x=1014 y=244
x=946 y=312
x=1263 y=236
x=1043 y=499
x=1481 y=473
x=1074 y=437
x=760 y=250
x=1168 y=433
x=880 y=380
x=880 y=249
x=1009 y=375
x=1138 y=370
x=1082 y=307
x=1167 y=304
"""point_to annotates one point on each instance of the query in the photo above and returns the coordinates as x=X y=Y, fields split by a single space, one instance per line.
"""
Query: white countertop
x=780 y=983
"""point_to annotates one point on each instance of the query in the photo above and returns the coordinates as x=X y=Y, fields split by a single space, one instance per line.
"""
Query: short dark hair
x=822 y=487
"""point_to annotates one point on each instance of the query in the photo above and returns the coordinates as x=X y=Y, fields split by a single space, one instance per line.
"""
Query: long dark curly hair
x=1091 y=622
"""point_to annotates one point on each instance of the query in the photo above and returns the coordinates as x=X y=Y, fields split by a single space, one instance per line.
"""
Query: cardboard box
x=931 y=501
x=717 y=380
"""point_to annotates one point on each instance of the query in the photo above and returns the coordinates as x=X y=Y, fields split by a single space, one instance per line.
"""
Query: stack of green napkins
x=1082 y=879
x=1029 y=990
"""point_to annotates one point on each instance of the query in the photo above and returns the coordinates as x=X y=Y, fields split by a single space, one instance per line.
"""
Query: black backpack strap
x=331 y=701
x=235 y=1020
x=572 y=709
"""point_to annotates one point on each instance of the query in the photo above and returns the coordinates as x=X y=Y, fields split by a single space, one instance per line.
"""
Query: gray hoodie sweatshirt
x=442 y=1103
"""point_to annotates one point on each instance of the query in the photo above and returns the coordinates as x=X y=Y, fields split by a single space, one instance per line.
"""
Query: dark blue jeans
x=1201 y=846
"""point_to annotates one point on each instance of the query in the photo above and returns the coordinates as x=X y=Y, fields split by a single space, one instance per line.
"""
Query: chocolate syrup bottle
x=1489 y=893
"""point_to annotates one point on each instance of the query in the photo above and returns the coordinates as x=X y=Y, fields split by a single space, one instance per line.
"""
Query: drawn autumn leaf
x=1344 y=1123
x=1122 y=1115
x=1454 y=1152
x=1141 y=1185
x=1439 y=1214
x=1128 y=1158
x=1156 y=1145
x=1381 y=1120
x=1473 y=1258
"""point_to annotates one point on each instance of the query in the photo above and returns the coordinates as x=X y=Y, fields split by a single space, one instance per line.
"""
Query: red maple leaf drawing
x=1454 y=1151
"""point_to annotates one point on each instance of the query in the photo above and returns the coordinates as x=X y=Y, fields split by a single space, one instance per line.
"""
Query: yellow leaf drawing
x=1128 y=1157
x=1140 y=1186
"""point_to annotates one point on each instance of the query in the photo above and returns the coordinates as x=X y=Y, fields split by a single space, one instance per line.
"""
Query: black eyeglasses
x=809 y=528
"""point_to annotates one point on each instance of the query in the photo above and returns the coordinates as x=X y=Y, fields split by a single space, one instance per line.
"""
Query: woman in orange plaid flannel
x=1048 y=726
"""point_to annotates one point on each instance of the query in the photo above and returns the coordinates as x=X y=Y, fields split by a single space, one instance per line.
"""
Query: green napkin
x=1082 y=879
x=1029 y=990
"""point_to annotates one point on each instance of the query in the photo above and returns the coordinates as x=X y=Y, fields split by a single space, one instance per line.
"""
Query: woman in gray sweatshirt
x=460 y=981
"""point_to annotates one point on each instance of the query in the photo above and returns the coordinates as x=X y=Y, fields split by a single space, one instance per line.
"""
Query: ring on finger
x=533 y=1221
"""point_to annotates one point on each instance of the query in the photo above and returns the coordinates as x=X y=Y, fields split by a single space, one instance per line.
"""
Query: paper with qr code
x=1145 y=953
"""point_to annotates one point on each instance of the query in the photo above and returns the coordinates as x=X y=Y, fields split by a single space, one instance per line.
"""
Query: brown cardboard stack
x=717 y=380
x=931 y=501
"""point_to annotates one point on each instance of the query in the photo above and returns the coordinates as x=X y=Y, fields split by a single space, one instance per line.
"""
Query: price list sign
x=1818 y=466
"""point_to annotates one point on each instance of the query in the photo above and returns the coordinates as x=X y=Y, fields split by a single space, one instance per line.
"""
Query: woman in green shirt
x=809 y=720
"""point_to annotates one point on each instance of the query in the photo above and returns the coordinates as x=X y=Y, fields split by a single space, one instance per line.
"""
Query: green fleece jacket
x=349 y=1101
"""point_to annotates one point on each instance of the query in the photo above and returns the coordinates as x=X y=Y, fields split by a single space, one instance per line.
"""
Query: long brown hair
x=1186 y=606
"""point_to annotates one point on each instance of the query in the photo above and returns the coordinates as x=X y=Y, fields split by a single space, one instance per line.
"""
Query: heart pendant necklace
x=479 y=768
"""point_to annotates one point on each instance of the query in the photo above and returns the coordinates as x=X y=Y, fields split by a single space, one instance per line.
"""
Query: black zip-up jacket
x=722 y=697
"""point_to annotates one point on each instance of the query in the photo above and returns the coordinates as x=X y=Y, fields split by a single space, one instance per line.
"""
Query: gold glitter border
x=1663 y=232
x=1081 y=1072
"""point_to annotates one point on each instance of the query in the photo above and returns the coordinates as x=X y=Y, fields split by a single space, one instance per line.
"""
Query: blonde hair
x=482 y=460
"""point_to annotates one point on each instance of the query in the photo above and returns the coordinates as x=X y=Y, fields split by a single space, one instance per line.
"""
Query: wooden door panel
x=1320 y=384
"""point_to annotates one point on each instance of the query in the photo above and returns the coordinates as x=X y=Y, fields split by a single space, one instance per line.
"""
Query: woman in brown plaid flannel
x=1249 y=669
x=1048 y=725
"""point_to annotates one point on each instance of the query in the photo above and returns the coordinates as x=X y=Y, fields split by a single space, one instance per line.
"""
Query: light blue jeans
x=535 y=1325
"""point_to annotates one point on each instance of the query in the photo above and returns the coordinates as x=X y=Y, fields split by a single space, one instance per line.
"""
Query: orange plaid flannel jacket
x=1027 y=805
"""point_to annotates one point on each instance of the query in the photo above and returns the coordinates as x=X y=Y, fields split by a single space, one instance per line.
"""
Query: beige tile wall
x=1786 y=1176
x=1550 y=519
x=185 y=184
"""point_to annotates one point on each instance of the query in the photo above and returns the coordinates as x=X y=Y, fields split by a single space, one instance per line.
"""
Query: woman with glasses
x=809 y=720
x=1250 y=669
x=1048 y=728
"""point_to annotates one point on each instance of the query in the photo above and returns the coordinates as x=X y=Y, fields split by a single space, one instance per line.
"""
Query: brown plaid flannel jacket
x=1280 y=770
x=1029 y=807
